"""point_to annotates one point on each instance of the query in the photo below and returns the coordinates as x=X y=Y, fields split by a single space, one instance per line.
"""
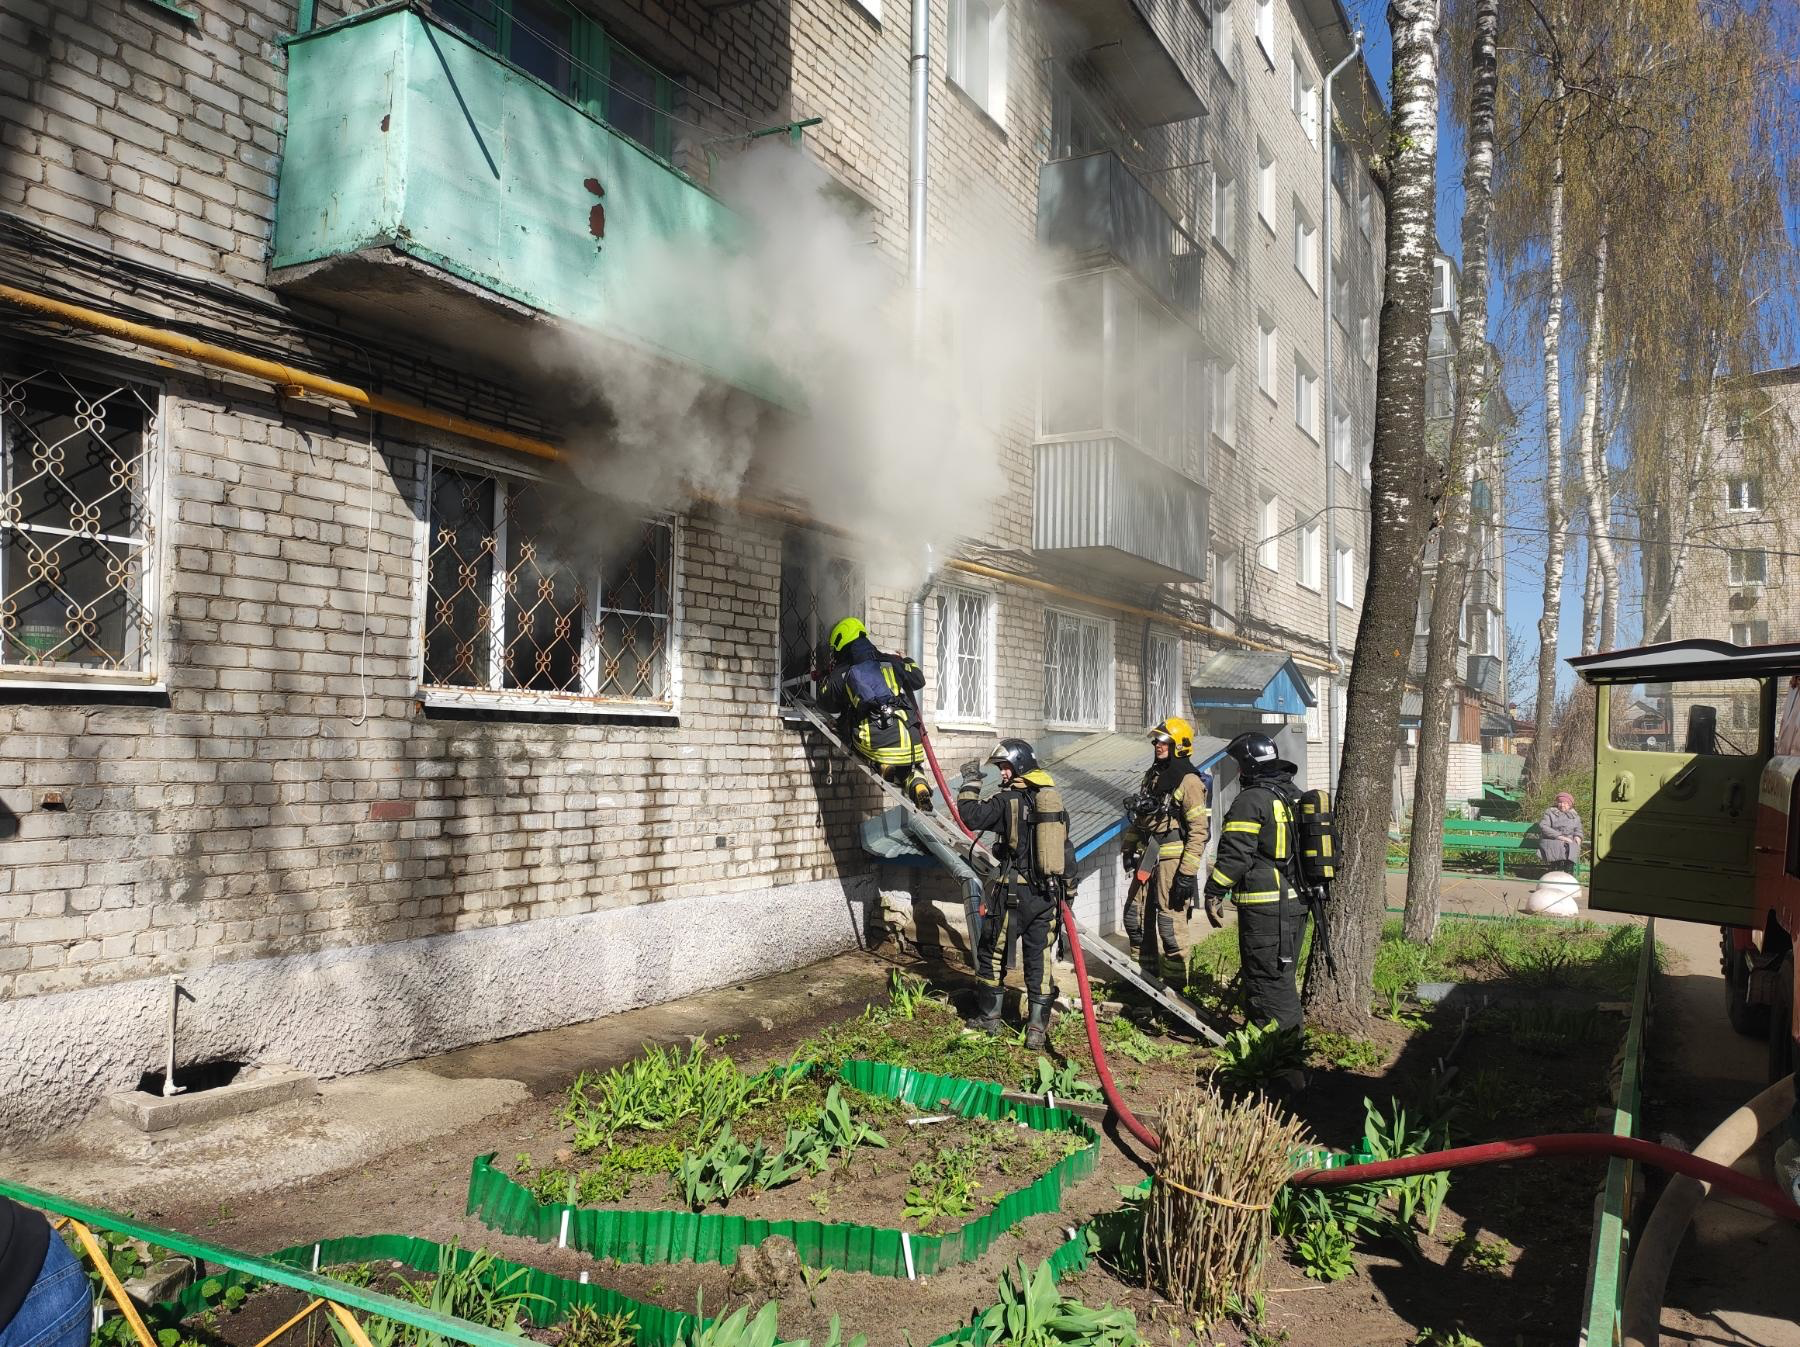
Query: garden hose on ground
x=1110 y=1090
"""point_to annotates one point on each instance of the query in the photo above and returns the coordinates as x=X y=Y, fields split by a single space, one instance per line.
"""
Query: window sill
x=1070 y=727
x=964 y=726
x=1267 y=223
x=436 y=699
x=1224 y=64
x=998 y=126
x=1313 y=588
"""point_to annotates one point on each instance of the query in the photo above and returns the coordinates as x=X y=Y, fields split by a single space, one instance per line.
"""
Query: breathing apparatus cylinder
x=1318 y=838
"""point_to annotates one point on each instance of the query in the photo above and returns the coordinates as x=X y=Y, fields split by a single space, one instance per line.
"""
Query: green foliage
x=906 y=993
x=719 y=1172
x=1445 y=1337
x=1032 y=1312
x=1324 y=1252
x=727 y=1166
x=1484 y=1255
x=941 y=1190
x=585 y=1326
x=1065 y=1081
x=1254 y=1054
x=658 y=1089
x=1390 y=1136
x=740 y=1329
x=475 y=1292
x=1546 y=1031
x=1344 y=1051
x=1121 y=1038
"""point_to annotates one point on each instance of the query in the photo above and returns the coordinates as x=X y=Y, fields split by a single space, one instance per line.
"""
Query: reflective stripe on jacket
x=1256 y=848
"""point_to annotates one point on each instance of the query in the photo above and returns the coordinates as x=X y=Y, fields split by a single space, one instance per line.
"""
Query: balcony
x=1105 y=503
x=429 y=186
x=1154 y=53
x=1092 y=206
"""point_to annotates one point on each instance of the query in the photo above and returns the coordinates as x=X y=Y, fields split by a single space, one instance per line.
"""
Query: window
x=1306 y=247
x=818 y=590
x=1306 y=398
x=1224 y=212
x=1744 y=493
x=1224 y=583
x=517 y=603
x=977 y=62
x=1343 y=441
x=1265 y=29
x=1443 y=285
x=1747 y=566
x=1265 y=185
x=1162 y=679
x=1268 y=531
x=1340 y=296
x=1750 y=633
x=1346 y=577
x=1224 y=400
x=1315 y=724
x=1077 y=671
x=1224 y=34
x=1341 y=165
x=1365 y=335
x=1267 y=353
x=1693 y=719
x=1365 y=207
x=965 y=654
x=1309 y=555
x=608 y=81
x=78 y=525
x=1304 y=94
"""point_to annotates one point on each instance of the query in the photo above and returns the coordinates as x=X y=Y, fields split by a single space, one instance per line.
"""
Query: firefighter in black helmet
x=1257 y=867
x=1036 y=861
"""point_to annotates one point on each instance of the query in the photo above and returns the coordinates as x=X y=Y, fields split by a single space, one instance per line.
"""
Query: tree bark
x=1404 y=482
x=1425 y=859
x=1603 y=557
x=1590 y=598
x=1537 y=762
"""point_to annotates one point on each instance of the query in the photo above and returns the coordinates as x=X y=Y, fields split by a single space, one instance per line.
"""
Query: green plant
x=1032 y=1312
x=352 y=1274
x=1445 y=1337
x=1255 y=1054
x=585 y=1326
x=1064 y=1081
x=1388 y=1136
x=1397 y=1010
x=740 y=1329
x=1485 y=1255
x=1344 y=1051
x=906 y=993
x=718 y=1173
x=946 y=1189
x=1123 y=1038
x=656 y=1090
x=841 y=1131
x=1324 y=1252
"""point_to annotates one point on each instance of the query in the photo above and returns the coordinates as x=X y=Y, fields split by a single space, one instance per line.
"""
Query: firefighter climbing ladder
x=1096 y=947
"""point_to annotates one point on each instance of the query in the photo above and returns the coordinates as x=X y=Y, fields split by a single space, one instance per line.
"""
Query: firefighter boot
x=1037 y=1028
x=986 y=1019
x=920 y=790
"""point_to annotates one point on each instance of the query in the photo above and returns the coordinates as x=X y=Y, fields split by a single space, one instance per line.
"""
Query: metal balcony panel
x=1093 y=205
x=1153 y=54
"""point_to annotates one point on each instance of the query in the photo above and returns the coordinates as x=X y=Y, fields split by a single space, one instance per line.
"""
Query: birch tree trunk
x=1404 y=484
x=1602 y=556
x=1425 y=861
x=1590 y=598
x=1537 y=762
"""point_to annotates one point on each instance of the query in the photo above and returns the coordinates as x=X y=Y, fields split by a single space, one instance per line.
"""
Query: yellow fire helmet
x=847 y=631
x=1177 y=734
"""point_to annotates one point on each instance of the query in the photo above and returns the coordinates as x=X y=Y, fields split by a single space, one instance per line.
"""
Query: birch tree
x=1405 y=488
x=1474 y=381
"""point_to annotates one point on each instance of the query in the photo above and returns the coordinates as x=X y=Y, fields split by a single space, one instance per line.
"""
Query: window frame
x=1306 y=247
x=1268 y=357
x=525 y=700
x=1267 y=185
x=1344 y=576
x=1734 y=555
x=1268 y=533
x=1749 y=626
x=999 y=56
x=956 y=717
x=1224 y=35
x=1303 y=96
x=1224 y=212
x=1752 y=484
x=1109 y=675
x=1306 y=397
x=1343 y=446
x=821 y=542
x=1225 y=562
x=1265 y=30
x=1311 y=544
x=151 y=675
x=1222 y=422
x=1172 y=704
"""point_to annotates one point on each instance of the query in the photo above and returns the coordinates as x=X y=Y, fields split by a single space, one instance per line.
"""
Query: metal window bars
x=818 y=590
x=1161 y=694
x=962 y=673
x=544 y=598
x=78 y=490
x=1076 y=671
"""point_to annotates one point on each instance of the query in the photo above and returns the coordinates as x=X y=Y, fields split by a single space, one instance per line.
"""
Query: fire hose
x=1458 y=1157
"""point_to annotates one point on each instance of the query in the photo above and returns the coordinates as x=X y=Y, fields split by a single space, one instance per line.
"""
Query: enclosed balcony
x=430 y=184
x=1093 y=208
x=1109 y=505
x=1154 y=53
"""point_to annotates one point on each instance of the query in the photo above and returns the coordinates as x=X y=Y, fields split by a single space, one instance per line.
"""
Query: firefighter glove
x=1181 y=892
x=971 y=770
x=1215 y=906
x=1128 y=859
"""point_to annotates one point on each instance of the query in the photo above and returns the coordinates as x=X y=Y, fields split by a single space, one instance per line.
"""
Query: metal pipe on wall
x=919 y=114
x=1332 y=748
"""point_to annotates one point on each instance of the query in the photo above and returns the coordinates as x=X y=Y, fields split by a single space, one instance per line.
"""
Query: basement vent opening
x=195 y=1078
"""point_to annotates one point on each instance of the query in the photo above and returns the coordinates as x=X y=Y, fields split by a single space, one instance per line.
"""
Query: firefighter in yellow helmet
x=1163 y=849
x=872 y=696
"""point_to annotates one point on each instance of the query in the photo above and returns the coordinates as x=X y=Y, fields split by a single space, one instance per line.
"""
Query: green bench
x=1503 y=837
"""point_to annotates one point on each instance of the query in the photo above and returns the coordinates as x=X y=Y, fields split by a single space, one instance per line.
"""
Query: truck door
x=1676 y=775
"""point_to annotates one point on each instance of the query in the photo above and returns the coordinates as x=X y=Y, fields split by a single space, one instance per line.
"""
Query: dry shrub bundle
x=1206 y=1224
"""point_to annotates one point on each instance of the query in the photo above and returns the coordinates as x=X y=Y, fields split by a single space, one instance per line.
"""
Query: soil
x=1514 y=1072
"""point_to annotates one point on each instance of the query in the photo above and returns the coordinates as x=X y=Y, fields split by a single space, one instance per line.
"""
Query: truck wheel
x=1781 y=1024
x=1749 y=1020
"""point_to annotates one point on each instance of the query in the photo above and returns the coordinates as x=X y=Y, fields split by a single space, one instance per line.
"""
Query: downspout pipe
x=915 y=612
x=919 y=116
x=1332 y=750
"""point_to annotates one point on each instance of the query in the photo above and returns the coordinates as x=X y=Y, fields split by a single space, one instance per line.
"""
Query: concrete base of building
x=337 y=1011
x=260 y=1087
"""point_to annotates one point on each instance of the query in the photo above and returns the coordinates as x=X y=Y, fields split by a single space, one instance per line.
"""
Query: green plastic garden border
x=509 y=1207
x=658 y=1326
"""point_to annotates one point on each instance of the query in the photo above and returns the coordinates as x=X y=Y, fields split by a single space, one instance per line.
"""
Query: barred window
x=77 y=525
x=964 y=665
x=1162 y=679
x=818 y=590
x=533 y=595
x=1078 y=671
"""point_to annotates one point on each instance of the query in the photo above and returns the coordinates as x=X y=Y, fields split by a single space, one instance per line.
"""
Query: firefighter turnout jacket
x=1179 y=830
x=1031 y=824
x=1258 y=846
x=872 y=693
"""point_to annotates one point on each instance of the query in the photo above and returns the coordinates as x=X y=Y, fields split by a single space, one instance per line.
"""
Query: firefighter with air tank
x=1277 y=856
x=872 y=694
x=1163 y=848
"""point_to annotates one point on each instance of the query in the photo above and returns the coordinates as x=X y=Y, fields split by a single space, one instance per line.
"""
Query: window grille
x=531 y=596
x=78 y=525
x=818 y=590
x=1077 y=671
x=963 y=671
x=1162 y=679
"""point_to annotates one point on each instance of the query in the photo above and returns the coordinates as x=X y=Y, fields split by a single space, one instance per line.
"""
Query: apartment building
x=347 y=701
x=1728 y=526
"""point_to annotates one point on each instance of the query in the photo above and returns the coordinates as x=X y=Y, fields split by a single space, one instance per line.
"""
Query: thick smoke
x=900 y=445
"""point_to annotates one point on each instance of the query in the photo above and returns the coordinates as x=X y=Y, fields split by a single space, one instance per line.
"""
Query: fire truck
x=1697 y=810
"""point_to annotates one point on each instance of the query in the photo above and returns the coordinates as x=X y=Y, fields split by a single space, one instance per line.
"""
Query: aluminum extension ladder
x=1092 y=944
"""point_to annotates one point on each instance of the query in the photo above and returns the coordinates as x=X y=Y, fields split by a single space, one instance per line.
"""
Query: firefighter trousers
x=1150 y=925
x=1269 y=949
x=1026 y=927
